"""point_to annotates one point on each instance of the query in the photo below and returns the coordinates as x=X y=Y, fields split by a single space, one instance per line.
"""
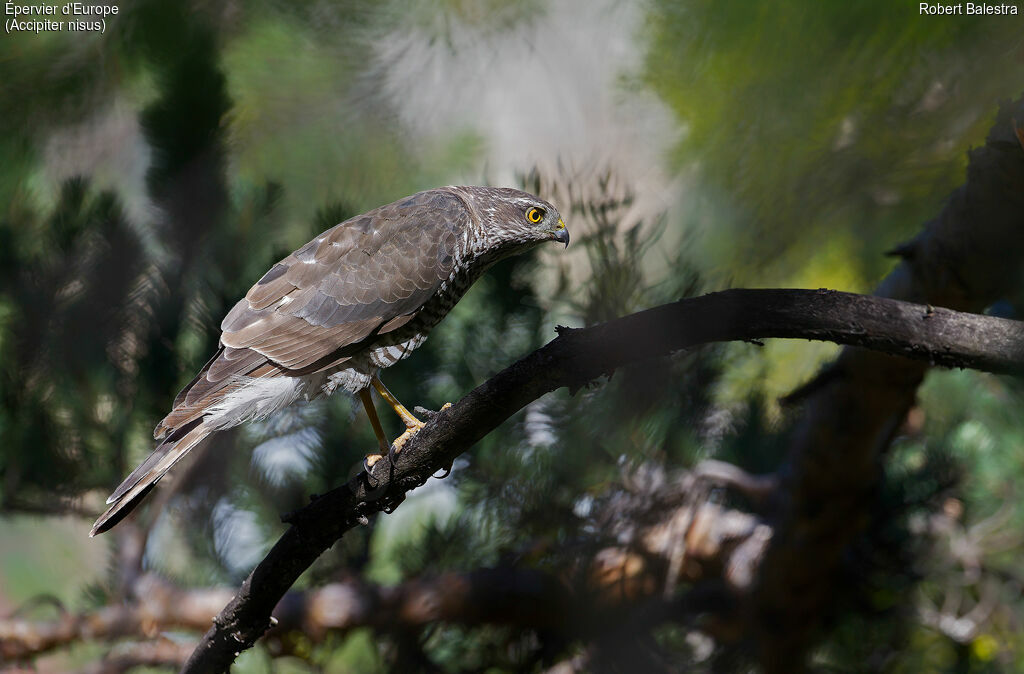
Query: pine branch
x=927 y=334
x=966 y=258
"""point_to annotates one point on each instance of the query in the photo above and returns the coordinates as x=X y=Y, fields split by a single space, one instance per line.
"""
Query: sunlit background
x=149 y=175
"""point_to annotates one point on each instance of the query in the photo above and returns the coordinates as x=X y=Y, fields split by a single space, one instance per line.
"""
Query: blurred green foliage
x=826 y=122
x=816 y=136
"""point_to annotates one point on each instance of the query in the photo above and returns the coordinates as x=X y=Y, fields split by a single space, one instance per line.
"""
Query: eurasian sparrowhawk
x=357 y=298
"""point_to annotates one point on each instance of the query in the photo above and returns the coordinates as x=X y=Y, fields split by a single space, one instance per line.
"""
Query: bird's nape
x=356 y=299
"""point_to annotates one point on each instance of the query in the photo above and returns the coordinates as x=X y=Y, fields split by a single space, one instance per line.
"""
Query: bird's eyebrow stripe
x=361 y=282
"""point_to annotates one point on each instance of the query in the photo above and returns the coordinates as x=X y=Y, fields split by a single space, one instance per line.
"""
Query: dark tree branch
x=576 y=357
x=158 y=606
x=652 y=533
x=522 y=597
x=968 y=257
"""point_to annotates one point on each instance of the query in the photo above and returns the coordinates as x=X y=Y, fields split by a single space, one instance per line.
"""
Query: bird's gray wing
x=364 y=277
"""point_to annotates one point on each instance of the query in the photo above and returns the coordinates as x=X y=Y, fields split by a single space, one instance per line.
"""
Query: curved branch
x=649 y=534
x=159 y=606
x=968 y=257
x=576 y=357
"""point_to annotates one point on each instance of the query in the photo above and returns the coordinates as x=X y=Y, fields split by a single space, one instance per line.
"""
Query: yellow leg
x=412 y=424
x=382 y=439
x=405 y=415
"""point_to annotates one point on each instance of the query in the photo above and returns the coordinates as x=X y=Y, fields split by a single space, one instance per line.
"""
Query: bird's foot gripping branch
x=929 y=335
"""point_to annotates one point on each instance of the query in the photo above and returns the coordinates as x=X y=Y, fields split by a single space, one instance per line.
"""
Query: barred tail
x=137 y=485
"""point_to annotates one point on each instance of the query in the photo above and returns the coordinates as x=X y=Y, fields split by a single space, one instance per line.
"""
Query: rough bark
x=965 y=259
x=666 y=534
x=930 y=335
x=968 y=257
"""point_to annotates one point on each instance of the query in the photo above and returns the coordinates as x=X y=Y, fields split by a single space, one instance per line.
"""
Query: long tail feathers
x=137 y=485
x=189 y=422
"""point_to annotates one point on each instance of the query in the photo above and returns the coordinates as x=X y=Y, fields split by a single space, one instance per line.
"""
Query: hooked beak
x=560 y=233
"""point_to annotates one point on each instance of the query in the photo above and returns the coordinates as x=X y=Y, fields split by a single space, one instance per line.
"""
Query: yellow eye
x=535 y=215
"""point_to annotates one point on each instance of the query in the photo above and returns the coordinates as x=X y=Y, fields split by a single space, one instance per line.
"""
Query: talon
x=400 y=441
x=412 y=424
x=368 y=462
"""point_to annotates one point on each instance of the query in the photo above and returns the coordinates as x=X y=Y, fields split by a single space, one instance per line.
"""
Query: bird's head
x=512 y=220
